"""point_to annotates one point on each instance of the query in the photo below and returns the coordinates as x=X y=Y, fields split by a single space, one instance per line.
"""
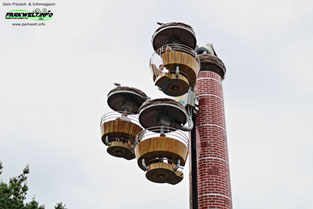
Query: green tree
x=13 y=193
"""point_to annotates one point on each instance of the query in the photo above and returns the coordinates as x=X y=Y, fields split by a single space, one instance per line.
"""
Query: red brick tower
x=213 y=188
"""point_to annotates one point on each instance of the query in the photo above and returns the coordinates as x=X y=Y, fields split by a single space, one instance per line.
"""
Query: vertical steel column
x=193 y=184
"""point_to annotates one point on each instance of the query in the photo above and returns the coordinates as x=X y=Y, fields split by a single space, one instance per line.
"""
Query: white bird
x=206 y=49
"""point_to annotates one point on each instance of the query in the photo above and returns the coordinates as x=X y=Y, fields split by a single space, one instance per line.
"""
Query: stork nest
x=175 y=24
x=163 y=101
x=210 y=59
x=126 y=88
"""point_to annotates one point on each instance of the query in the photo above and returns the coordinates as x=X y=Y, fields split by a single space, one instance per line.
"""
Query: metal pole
x=193 y=167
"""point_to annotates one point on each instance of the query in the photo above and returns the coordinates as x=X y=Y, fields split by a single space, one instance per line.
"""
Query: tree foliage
x=13 y=194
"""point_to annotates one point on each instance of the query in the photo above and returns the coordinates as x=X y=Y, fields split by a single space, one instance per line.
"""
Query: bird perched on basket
x=117 y=84
x=206 y=49
x=168 y=48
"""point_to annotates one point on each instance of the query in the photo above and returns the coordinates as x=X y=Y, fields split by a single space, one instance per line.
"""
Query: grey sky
x=54 y=81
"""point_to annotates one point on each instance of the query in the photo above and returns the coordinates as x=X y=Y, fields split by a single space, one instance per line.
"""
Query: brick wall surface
x=214 y=189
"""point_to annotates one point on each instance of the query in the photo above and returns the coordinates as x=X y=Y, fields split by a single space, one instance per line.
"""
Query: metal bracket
x=177 y=166
x=177 y=71
x=135 y=143
x=143 y=163
x=190 y=100
x=106 y=141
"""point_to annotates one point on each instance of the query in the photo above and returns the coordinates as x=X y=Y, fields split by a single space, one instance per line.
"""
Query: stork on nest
x=206 y=49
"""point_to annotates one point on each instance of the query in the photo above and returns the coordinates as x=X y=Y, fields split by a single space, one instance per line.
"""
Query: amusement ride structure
x=154 y=130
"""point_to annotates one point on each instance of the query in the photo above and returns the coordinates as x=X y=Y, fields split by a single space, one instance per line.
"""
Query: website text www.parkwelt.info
x=29 y=24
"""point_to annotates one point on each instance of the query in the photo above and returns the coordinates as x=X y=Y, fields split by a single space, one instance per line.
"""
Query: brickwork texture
x=214 y=190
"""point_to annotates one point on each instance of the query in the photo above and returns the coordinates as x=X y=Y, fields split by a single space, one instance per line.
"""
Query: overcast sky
x=55 y=78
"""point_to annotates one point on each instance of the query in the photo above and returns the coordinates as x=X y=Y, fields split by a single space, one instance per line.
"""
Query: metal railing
x=156 y=62
x=164 y=160
x=165 y=131
x=110 y=116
